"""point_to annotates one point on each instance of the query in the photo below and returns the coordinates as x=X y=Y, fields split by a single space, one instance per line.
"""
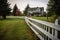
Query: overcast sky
x=32 y=3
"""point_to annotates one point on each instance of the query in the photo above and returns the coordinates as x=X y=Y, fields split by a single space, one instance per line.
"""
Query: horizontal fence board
x=56 y=27
x=40 y=37
x=52 y=25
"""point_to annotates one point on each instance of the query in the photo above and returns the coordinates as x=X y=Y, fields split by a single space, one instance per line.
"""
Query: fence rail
x=44 y=30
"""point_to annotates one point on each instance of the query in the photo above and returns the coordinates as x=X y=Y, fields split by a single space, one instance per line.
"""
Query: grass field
x=50 y=19
x=15 y=29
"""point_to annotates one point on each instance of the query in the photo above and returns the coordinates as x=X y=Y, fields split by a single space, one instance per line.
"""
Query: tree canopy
x=50 y=9
x=53 y=7
x=26 y=9
x=4 y=8
x=57 y=7
x=14 y=10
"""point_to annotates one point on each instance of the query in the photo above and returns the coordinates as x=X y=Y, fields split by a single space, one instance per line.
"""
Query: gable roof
x=34 y=8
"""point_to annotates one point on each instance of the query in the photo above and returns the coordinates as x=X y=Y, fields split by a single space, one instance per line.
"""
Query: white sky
x=32 y=3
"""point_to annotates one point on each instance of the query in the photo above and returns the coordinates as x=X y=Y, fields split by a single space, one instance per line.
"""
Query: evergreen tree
x=14 y=10
x=26 y=9
x=4 y=8
x=53 y=7
x=56 y=7
x=50 y=9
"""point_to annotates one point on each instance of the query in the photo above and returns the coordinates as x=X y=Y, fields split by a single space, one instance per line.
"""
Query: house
x=36 y=11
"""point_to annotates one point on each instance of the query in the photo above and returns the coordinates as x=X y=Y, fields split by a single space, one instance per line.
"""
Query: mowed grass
x=50 y=19
x=15 y=29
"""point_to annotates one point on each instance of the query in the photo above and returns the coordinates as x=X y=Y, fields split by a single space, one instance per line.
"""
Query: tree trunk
x=4 y=16
x=47 y=16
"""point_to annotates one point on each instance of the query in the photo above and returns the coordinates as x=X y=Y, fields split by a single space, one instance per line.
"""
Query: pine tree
x=26 y=9
x=53 y=7
x=57 y=7
x=50 y=8
x=4 y=8
x=14 y=10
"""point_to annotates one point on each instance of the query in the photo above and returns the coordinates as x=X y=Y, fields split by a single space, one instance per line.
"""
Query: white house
x=36 y=11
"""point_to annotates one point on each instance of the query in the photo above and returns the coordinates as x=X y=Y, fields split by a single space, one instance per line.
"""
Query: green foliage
x=57 y=7
x=50 y=9
x=26 y=9
x=53 y=7
x=4 y=8
x=14 y=10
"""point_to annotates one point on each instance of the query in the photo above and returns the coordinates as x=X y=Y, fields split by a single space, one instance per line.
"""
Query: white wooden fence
x=44 y=30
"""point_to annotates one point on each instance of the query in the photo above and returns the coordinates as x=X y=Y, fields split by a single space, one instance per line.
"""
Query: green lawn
x=15 y=29
x=50 y=19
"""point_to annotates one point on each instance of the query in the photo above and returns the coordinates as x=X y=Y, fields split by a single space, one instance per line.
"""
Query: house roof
x=34 y=8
